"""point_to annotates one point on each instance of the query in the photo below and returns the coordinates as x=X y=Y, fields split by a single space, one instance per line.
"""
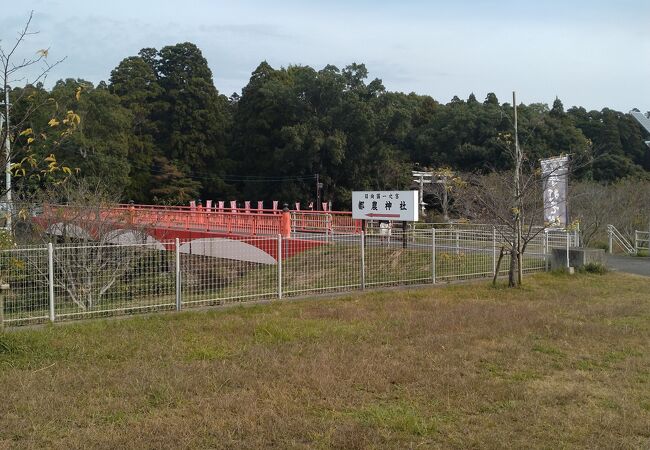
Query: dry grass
x=562 y=362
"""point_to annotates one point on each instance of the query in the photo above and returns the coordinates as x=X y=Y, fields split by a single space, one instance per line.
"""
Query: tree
x=135 y=83
x=81 y=214
x=623 y=204
x=18 y=136
x=99 y=147
x=511 y=199
x=193 y=130
x=445 y=183
x=172 y=186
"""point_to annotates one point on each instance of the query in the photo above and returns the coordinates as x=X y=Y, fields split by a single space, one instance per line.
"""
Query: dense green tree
x=100 y=147
x=135 y=83
x=161 y=131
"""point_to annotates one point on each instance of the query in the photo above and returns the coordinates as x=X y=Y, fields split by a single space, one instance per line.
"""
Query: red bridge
x=250 y=235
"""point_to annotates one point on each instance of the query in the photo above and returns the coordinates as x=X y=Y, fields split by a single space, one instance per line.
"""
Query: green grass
x=560 y=362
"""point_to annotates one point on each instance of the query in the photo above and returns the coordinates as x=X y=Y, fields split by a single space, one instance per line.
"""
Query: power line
x=243 y=178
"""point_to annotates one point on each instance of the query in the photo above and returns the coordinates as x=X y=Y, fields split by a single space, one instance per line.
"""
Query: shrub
x=594 y=267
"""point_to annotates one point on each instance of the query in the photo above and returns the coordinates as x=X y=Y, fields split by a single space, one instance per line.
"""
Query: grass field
x=562 y=362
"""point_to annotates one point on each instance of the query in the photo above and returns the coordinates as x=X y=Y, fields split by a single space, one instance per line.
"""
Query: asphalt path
x=629 y=264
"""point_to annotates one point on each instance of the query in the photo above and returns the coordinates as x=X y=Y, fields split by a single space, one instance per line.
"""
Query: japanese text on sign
x=555 y=178
x=385 y=205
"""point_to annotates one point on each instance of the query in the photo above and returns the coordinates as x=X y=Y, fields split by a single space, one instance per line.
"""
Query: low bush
x=594 y=267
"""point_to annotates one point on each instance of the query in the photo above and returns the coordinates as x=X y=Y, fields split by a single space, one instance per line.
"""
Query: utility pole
x=518 y=206
x=7 y=145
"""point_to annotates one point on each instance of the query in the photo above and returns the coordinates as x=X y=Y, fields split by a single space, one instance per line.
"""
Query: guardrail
x=616 y=237
x=252 y=222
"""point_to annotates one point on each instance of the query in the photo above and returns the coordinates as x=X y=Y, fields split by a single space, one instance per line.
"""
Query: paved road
x=629 y=264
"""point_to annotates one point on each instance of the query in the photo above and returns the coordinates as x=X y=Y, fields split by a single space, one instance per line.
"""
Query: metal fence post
x=494 y=251
x=50 y=275
x=568 y=264
x=279 y=266
x=609 y=233
x=363 y=260
x=546 y=252
x=178 y=275
x=3 y=292
x=457 y=242
x=433 y=255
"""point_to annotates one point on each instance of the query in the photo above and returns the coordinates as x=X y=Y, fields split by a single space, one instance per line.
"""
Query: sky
x=594 y=54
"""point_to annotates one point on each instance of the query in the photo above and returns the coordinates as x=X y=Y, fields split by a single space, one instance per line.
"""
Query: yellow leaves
x=77 y=93
x=28 y=132
x=23 y=213
x=72 y=118
x=53 y=122
x=41 y=169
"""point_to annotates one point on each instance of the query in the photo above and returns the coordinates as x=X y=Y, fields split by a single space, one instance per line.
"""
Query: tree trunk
x=498 y=267
x=513 y=270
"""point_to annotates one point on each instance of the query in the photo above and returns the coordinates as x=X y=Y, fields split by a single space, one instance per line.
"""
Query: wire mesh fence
x=320 y=264
x=64 y=281
x=220 y=271
x=25 y=283
x=91 y=280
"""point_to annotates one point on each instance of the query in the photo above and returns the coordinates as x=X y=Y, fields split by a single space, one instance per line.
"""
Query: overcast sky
x=590 y=53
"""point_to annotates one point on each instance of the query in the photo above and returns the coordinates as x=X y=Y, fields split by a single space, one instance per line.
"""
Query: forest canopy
x=160 y=131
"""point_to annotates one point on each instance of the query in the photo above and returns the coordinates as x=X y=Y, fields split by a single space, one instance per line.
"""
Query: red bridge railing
x=242 y=222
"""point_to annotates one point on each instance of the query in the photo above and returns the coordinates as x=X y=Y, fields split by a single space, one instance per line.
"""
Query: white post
x=457 y=242
x=363 y=260
x=568 y=238
x=178 y=274
x=494 y=251
x=609 y=232
x=330 y=227
x=50 y=273
x=546 y=252
x=636 y=242
x=279 y=266
x=433 y=255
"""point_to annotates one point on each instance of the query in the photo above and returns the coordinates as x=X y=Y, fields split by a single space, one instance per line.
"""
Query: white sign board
x=385 y=205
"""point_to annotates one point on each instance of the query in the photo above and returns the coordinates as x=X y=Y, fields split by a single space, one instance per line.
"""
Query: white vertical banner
x=555 y=179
